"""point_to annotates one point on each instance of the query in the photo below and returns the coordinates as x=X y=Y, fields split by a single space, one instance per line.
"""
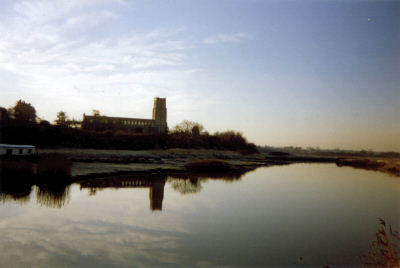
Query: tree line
x=20 y=125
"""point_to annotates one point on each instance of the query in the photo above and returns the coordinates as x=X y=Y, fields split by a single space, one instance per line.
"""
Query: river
x=300 y=215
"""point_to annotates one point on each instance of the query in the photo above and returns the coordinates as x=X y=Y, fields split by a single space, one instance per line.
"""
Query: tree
x=96 y=112
x=10 y=112
x=44 y=123
x=195 y=131
x=23 y=111
x=3 y=114
x=62 y=119
x=188 y=127
x=74 y=123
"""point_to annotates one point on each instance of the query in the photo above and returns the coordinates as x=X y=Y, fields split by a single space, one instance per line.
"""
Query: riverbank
x=389 y=166
x=89 y=162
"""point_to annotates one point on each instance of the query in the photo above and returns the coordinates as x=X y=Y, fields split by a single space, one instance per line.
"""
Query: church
x=158 y=124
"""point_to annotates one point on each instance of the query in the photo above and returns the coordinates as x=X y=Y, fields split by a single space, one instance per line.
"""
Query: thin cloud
x=57 y=55
x=226 y=38
x=90 y=19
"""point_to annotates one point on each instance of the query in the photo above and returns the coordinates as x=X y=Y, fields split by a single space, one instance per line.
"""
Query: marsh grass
x=390 y=166
x=384 y=251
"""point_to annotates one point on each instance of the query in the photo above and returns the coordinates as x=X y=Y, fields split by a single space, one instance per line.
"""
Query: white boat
x=13 y=149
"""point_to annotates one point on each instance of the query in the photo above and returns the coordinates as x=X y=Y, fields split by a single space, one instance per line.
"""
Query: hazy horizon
x=285 y=73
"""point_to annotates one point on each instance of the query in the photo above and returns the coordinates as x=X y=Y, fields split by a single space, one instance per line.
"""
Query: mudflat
x=94 y=161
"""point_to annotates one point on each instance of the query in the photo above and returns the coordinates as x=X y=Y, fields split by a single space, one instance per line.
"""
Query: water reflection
x=14 y=181
x=192 y=183
x=51 y=178
x=10 y=191
x=154 y=183
x=55 y=196
x=183 y=183
x=186 y=186
x=267 y=218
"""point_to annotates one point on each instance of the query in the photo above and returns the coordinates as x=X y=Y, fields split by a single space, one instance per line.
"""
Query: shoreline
x=74 y=165
x=93 y=161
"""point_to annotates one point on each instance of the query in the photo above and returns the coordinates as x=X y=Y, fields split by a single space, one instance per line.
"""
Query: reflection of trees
x=186 y=186
x=191 y=183
x=52 y=174
x=53 y=181
x=55 y=196
x=19 y=195
x=15 y=182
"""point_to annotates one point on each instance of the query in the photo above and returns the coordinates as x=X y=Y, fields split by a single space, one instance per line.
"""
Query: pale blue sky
x=303 y=73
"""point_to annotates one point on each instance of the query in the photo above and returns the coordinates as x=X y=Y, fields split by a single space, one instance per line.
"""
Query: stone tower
x=160 y=114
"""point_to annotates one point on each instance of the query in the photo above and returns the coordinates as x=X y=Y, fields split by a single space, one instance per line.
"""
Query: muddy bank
x=87 y=162
x=147 y=156
x=389 y=166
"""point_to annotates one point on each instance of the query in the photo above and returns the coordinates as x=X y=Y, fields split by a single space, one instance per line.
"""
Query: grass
x=385 y=249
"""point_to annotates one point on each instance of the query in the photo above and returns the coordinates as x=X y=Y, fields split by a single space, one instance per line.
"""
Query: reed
x=384 y=251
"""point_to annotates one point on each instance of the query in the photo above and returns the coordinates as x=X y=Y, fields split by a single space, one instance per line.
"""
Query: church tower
x=160 y=114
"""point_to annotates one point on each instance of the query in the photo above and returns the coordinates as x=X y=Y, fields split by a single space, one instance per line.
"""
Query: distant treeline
x=47 y=135
x=310 y=151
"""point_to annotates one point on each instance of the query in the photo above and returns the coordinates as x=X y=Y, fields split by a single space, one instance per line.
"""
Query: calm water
x=268 y=217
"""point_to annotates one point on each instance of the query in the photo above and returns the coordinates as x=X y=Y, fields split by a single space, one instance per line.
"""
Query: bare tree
x=188 y=127
x=62 y=119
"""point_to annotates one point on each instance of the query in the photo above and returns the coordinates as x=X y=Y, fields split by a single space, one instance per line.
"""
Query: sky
x=283 y=72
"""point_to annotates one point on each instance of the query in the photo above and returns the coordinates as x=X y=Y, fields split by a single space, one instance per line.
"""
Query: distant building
x=158 y=124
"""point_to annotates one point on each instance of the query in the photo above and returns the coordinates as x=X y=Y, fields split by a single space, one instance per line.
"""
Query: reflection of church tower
x=156 y=194
x=160 y=114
